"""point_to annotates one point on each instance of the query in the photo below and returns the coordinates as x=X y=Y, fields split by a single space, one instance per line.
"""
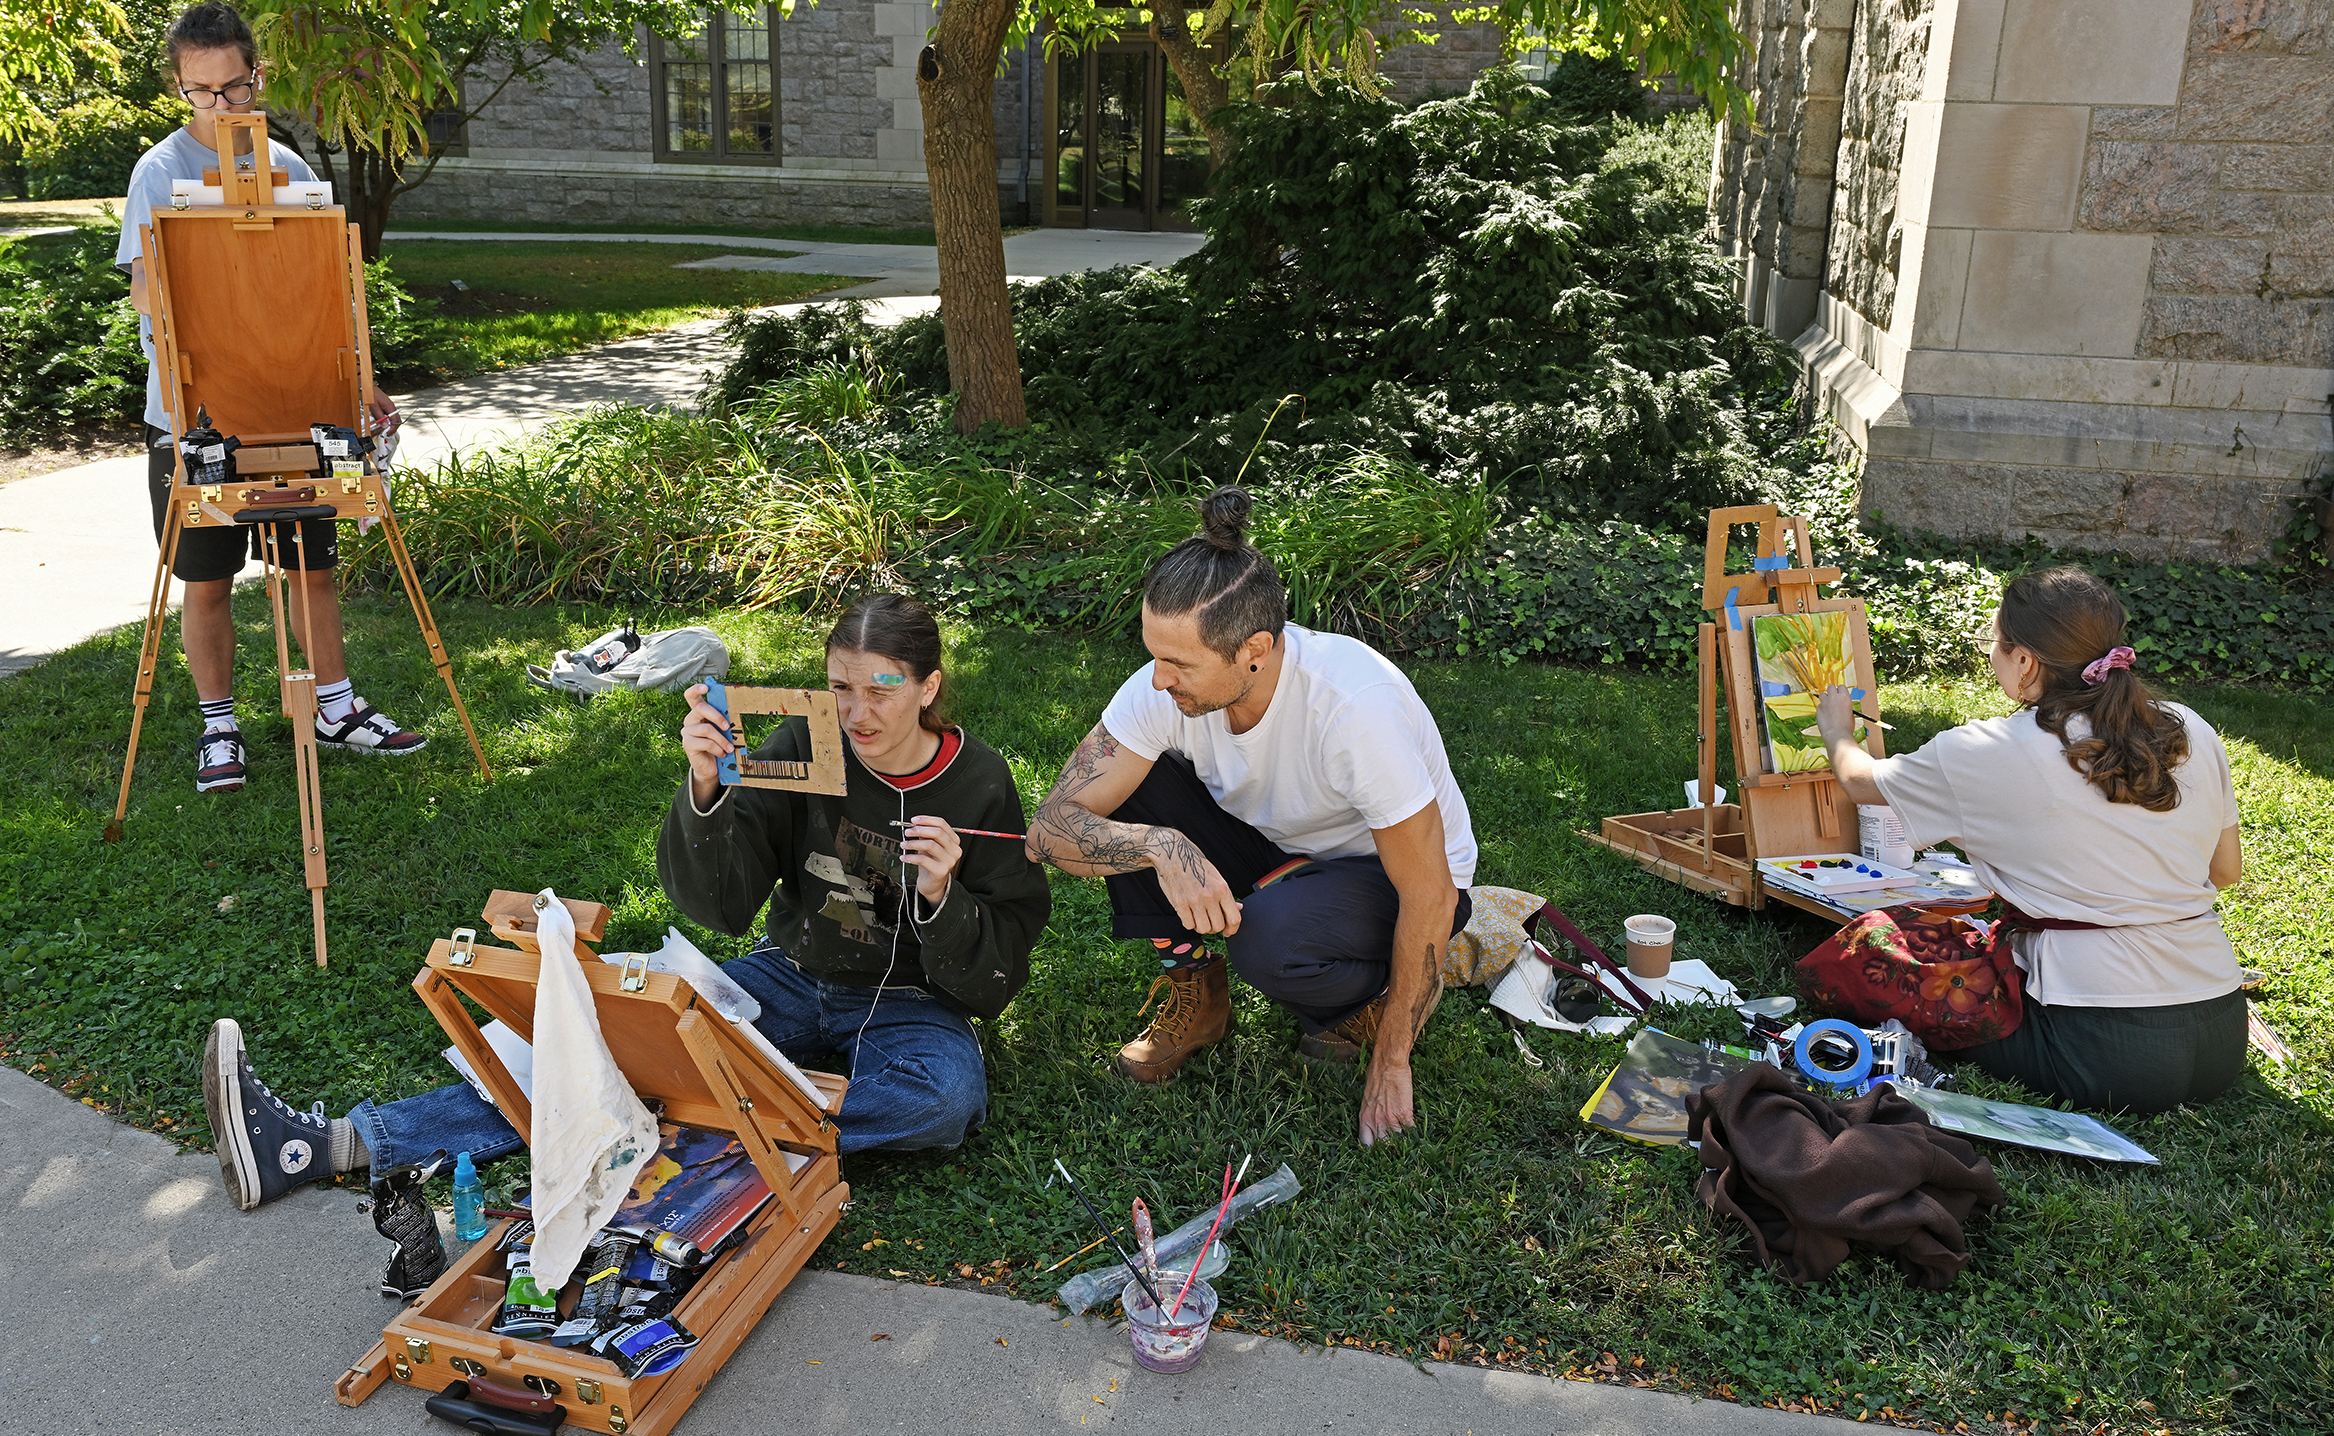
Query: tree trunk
x=955 y=78
x=1203 y=89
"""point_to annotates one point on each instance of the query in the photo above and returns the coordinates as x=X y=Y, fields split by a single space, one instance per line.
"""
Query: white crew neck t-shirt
x=2051 y=844
x=177 y=156
x=1345 y=746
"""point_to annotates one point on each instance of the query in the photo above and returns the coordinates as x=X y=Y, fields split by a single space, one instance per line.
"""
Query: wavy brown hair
x=2068 y=619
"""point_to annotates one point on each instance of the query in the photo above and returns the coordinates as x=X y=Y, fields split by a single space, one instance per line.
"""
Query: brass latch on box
x=616 y=1421
x=465 y=947
x=418 y=1349
x=586 y=1391
x=211 y=493
x=634 y=981
x=350 y=485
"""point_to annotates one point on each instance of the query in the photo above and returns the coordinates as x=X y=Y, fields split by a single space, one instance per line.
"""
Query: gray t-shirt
x=179 y=156
x=2038 y=833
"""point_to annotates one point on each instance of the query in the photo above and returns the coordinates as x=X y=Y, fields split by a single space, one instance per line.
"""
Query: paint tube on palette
x=649 y=1346
x=1093 y=1288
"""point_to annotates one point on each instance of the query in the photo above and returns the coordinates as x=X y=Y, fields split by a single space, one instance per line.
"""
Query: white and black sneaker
x=368 y=730
x=219 y=760
x=265 y=1148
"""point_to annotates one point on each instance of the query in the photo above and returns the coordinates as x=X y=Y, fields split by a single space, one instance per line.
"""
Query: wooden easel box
x=670 y=1046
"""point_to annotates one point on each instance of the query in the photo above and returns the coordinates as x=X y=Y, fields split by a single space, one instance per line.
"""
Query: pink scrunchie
x=2099 y=668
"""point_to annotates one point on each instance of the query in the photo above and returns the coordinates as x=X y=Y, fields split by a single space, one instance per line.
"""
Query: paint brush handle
x=1144 y=1244
x=975 y=832
x=1100 y=1226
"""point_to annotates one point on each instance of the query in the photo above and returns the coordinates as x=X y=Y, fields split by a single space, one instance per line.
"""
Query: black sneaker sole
x=238 y=1167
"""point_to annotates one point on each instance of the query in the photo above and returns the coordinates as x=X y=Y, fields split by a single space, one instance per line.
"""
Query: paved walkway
x=74 y=556
x=139 y=1299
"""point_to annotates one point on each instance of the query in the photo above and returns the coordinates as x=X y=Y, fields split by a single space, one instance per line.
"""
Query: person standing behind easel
x=214 y=64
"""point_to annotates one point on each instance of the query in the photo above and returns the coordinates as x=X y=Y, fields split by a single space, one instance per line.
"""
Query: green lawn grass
x=822 y=233
x=2192 y=1297
x=532 y=300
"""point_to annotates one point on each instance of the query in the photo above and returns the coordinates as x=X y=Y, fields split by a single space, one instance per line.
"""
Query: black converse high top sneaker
x=265 y=1147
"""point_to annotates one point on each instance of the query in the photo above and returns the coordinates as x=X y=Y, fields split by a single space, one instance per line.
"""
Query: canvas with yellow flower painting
x=1799 y=656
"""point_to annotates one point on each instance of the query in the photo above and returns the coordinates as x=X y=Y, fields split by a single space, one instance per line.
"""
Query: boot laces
x=1177 y=1012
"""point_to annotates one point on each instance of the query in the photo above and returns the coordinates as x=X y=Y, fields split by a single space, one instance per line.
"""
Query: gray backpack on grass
x=668 y=661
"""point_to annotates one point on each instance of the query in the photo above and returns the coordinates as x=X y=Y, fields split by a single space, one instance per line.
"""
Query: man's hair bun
x=1223 y=517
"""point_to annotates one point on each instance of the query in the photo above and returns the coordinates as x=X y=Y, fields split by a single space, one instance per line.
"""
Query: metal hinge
x=465 y=947
x=542 y=1385
x=464 y=1366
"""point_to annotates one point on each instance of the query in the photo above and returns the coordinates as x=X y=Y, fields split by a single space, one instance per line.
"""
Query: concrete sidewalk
x=138 y=1299
x=74 y=560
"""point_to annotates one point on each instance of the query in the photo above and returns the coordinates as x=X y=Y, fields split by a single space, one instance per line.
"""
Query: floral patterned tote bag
x=1953 y=984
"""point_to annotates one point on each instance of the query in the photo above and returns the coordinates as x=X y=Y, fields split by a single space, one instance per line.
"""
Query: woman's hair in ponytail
x=2068 y=619
x=1228 y=580
x=894 y=626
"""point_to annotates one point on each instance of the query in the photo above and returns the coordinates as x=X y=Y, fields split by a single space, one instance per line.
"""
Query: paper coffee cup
x=1650 y=939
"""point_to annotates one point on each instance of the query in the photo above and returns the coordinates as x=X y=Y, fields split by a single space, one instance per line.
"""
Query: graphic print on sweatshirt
x=864 y=877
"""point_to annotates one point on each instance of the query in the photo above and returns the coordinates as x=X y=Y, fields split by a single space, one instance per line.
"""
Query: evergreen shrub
x=95 y=143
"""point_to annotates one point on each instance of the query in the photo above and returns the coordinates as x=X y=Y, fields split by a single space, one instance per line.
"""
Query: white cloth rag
x=590 y=1136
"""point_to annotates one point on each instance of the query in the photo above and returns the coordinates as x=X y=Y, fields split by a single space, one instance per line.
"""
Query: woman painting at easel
x=214 y=65
x=2105 y=819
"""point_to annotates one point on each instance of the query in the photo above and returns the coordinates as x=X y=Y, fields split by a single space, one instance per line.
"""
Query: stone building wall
x=1771 y=184
x=1889 y=44
x=851 y=138
x=2080 y=283
x=1448 y=66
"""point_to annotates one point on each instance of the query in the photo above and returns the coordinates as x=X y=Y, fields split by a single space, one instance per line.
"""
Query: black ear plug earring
x=1251 y=668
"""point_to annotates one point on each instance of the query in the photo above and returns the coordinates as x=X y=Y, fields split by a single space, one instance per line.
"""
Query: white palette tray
x=1842 y=872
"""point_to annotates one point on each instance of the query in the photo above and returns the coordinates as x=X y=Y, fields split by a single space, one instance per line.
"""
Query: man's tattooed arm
x=1067 y=832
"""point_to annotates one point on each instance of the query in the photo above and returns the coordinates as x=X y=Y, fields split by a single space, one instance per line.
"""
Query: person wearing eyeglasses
x=214 y=64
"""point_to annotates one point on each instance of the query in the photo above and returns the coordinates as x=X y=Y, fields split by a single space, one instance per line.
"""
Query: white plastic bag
x=590 y=1136
x=684 y=960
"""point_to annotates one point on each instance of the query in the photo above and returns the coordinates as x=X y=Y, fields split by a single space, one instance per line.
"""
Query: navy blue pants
x=1317 y=938
x=916 y=1074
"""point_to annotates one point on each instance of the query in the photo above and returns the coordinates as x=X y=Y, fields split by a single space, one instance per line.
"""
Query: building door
x=1125 y=150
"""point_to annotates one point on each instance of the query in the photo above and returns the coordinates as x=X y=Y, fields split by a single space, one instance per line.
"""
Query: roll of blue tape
x=1855 y=1035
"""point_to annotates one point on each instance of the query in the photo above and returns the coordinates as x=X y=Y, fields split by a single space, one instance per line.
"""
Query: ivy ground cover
x=2190 y=1297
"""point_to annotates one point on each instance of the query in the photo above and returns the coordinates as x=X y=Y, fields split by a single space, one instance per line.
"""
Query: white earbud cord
x=899 y=920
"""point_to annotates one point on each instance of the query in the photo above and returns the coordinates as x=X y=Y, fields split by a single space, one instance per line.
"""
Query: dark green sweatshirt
x=834 y=863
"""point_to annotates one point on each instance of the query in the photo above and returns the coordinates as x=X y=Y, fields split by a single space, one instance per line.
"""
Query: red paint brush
x=1231 y=1185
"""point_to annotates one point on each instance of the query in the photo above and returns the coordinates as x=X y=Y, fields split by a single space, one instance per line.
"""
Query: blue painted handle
x=724 y=767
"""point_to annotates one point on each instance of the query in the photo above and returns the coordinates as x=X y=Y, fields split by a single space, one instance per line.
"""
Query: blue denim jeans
x=916 y=1074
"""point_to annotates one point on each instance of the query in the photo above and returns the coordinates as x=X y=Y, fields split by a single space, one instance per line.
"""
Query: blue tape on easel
x=724 y=767
x=1824 y=1075
x=1769 y=565
x=1733 y=619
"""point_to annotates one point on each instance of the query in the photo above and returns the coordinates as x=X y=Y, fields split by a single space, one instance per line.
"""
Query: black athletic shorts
x=207 y=551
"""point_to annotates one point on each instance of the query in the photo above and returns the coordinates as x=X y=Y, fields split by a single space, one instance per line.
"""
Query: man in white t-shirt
x=1283 y=791
x=213 y=61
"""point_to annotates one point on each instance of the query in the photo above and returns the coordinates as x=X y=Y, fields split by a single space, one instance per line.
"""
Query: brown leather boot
x=1197 y=1012
x=1344 y=1042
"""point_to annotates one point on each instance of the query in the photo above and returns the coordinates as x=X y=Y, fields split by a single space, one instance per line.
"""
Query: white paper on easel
x=517 y=1058
x=300 y=194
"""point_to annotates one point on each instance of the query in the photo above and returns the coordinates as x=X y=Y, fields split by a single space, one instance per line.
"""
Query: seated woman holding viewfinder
x=2105 y=819
x=888 y=929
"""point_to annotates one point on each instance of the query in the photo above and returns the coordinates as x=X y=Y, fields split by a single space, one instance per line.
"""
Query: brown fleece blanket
x=1809 y=1176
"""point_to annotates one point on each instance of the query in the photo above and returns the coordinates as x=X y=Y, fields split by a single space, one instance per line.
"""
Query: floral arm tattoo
x=1069 y=835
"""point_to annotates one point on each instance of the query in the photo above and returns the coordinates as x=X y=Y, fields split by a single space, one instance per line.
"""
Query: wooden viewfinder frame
x=259 y=322
x=671 y=1046
x=822 y=774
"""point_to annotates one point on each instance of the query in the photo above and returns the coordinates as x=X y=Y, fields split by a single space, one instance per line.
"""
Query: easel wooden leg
x=429 y=633
x=149 y=654
x=1706 y=737
x=298 y=691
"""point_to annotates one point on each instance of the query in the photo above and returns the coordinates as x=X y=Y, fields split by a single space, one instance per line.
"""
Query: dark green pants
x=2141 y=1060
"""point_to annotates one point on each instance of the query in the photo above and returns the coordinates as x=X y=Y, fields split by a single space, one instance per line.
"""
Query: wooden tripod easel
x=259 y=321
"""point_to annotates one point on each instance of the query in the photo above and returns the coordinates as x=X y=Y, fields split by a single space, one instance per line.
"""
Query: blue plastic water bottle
x=469 y=1200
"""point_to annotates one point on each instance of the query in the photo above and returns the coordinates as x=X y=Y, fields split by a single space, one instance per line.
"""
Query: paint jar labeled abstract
x=1163 y=1343
x=1881 y=835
